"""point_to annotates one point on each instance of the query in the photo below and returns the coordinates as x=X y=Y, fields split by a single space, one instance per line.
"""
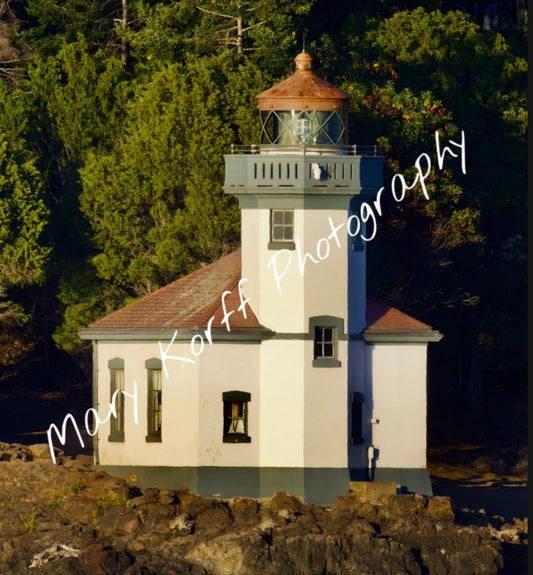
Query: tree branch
x=216 y=13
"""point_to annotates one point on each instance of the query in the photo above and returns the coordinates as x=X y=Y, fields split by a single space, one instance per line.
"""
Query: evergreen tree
x=154 y=202
x=75 y=107
x=81 y=96
x=23 y=253
x=48 y=24
x=23 y=216
x=448 y=264
x=265 y=31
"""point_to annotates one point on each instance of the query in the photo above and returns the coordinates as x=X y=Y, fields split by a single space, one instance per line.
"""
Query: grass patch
x=56 y=500
x=28 y=521
x=76 y=486
x=110 y=500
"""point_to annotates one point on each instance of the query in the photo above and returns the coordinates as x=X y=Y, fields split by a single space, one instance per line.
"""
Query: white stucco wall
x=192 y=405
x=326 y=282
x=228 y=367
x=180 y=390
x=326 y=412
x=357 y=283
x=251 y=268
x=396 y=389
x=297 y=416
x=320 y=289
x=304 y=409
x=281 y=404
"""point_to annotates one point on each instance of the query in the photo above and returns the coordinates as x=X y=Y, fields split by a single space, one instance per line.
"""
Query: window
x=116 y=376
x=324 y=331
x=154 y=399
x=324 y=342
x=235 y=414
x=305 y=127
x=281 y=229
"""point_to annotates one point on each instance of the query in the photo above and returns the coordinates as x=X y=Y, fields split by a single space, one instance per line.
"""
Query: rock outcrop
x=73 y=519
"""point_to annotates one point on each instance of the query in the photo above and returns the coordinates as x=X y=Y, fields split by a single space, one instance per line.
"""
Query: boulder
x=440 y=509
x=105 y=560
x=42 y=451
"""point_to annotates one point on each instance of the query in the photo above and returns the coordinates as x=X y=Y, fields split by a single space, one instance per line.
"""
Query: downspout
x=96 y=455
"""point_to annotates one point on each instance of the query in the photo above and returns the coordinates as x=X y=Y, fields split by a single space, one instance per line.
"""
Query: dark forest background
x=114 y=118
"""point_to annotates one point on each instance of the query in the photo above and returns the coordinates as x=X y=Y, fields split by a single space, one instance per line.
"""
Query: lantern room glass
x=303 y=128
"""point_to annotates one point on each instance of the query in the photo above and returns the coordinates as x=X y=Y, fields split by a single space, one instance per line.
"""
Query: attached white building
x=270 y=369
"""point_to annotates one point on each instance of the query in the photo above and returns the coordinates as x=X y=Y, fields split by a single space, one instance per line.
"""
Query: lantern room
x=303 y=111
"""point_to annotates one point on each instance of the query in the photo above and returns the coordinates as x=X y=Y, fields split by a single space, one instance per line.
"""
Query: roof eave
x=287 y=103
x=179 y=334
x=401 y=335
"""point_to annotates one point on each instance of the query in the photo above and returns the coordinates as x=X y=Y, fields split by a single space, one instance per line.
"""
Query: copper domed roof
x=303 y=91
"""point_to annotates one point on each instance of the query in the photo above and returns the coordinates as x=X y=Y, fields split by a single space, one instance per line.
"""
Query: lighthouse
x=272 y=368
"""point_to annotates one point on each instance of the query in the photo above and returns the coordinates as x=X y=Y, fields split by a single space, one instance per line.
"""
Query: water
x=497 y=499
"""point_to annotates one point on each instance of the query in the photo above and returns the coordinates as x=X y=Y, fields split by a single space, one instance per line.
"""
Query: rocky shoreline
x=73 y=519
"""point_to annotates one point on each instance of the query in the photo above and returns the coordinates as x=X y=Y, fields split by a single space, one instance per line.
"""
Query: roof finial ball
x=303 y=61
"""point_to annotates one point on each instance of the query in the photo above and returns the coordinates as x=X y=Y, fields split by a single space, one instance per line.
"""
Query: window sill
x=326 y=362
x=153 y=438
x=281 y=245
x=236 y=438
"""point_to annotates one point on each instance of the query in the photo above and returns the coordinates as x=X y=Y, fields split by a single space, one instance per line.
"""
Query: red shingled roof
x=189 y=302
x=386 y=323
x=193 y=300
x=379 y=315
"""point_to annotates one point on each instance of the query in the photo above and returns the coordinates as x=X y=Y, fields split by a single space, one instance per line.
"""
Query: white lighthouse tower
x=297 y=192
x=303 y=254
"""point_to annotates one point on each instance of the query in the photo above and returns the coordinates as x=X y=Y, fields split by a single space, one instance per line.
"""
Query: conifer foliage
x=115 y=115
